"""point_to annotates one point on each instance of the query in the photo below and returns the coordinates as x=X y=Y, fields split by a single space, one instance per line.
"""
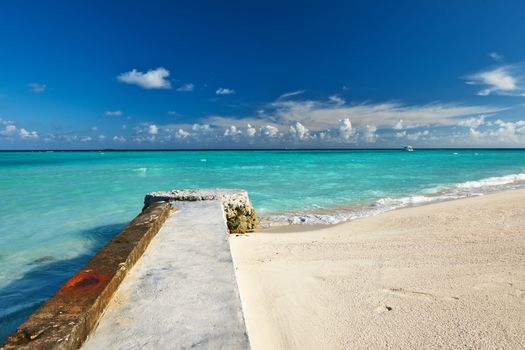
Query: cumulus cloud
x=153 y=129
x=201 y=128
x=119 y=138
x=398 y=125
x=346 y=131
x=500 y=132
x=186 y=87
x=473 y=122
x=8 y=129
x=299 y=131
x=232 y=131
x=250 y=131
x=369 y=134
x=37 y=88
x=113 y=113
x=270 y=131
x=152 y=79
x=181 y=134
x=224 y=91
x=332 y=122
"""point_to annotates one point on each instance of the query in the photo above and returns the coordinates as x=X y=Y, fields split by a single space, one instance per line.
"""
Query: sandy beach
x=447 y=275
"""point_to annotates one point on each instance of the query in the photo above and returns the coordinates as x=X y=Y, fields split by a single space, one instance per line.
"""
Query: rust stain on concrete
x=66 y=319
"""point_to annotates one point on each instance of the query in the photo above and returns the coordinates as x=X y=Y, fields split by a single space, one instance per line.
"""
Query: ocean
x=59 y=208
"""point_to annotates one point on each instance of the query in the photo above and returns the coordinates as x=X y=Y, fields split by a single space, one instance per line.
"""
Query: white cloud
x=337 y=100
x=400 y=135
x=152 y=79
x=399 y=125
x=473 y=122
x=119 y=139
x=501 y=132
x=317 y=115
x=224 y=91
x=153 y=129
x=270 y=131
x=417 y=135
x=292 y=93
x=299 y=131
x=346 y=132
x=232 y=131
x=113 y=113
x=250 y=131
x=181 y=134
x=201 y=128
x=327 y=122
x=9 y=129
x=503 y=80
x=496 y=56
x=370 y=135
x=37 y=88
x=186 y=87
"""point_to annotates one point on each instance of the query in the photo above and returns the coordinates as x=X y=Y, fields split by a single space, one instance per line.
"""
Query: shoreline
x=291 y=227
x=345 y=213
x=449 y=274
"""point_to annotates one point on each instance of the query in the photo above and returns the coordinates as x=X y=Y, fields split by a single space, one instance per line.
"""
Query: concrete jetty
x=166 y=281
x=182 y=294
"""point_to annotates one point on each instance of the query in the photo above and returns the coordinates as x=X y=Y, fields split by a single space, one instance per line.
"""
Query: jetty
x=167 y=281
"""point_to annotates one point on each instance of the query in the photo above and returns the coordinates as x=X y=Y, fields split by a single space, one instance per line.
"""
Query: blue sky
x=261 y=74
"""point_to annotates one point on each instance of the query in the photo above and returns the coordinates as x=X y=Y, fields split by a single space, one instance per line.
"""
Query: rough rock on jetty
x=240 y=214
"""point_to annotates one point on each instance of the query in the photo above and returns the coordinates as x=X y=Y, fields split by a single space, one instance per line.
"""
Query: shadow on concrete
x=20 y=298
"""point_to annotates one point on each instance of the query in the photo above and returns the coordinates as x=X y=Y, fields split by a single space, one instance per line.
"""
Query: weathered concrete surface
x=240 y=214
x=69 y=316
x=182 y=294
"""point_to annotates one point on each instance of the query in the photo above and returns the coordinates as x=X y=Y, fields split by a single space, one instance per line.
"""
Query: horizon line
x=256 y=149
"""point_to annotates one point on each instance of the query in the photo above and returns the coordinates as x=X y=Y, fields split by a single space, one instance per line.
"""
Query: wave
x=494 y=181
x=430 y=195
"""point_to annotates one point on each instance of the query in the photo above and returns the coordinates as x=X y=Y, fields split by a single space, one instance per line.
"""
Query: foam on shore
x=439 y=194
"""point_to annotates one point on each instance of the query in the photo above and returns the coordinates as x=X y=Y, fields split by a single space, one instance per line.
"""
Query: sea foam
x=443 y=193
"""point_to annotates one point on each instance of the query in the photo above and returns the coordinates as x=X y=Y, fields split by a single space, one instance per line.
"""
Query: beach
x=444 y=275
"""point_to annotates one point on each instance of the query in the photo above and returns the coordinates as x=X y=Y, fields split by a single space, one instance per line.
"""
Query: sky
x=261 y=74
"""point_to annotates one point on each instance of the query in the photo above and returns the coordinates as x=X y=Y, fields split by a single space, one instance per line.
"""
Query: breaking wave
x=439 y=194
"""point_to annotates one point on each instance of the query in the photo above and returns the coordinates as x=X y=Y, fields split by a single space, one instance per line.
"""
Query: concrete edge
x=65 y=320
x=239 y=212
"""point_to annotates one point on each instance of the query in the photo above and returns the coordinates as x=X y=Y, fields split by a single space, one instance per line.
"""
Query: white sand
x=448 y=275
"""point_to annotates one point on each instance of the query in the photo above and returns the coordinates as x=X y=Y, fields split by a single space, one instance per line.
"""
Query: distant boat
x=409 y=148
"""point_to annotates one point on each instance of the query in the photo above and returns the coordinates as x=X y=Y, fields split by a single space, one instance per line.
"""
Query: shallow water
x=58 y=208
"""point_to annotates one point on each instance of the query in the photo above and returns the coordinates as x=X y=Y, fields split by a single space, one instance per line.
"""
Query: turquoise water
x=59 y=208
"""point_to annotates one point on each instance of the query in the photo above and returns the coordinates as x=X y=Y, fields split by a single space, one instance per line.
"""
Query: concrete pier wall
x=181 y=294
